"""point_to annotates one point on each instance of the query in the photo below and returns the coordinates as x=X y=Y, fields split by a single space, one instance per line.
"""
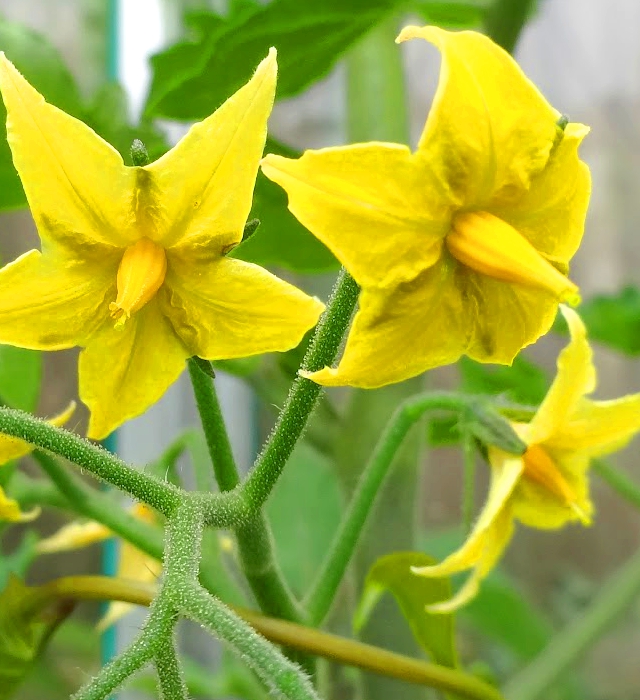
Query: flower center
x=539 y=467
x=492 y=247
x=140 y=275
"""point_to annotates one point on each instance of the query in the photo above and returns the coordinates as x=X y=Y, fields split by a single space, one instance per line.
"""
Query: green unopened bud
x=250 y=228
x=491 y=428
x=138 y=151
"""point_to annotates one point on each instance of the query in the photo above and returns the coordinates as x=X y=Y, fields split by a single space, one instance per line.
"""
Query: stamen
x=140 y=275
x=492 y=247
x=539 y=467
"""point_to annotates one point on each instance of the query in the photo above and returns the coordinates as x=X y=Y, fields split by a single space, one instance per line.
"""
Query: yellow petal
x=126 y=369
x=490 y=131
x=599 y=428
x=502 y=318
x=232 y=308
x=535 y=506
x=373 y=205
x=400 y=333
x=551 y=213
x=10 y=510
x=13 y=448
x=575 y=378
x=207 y=179
x=78 y=188
x=480 y=548
x=74 y=535
x=51 y=307
x=496 y=539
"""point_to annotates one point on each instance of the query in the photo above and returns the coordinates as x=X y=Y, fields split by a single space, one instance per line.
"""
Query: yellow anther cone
x=492 y=247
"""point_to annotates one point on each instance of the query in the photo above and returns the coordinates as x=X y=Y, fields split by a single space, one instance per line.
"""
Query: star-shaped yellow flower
x=133 y=265
x=463 y=246
x=546 y=487
x=13 y=448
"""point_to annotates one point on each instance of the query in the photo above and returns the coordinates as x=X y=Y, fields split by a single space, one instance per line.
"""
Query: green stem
x=94 y=459
x=215 y=432
x=351 y=528
x=618 y=481
x=303 y=394
x=617 y=595
x=505 y=20
x=171 y=684
x=31 y=492
x=255 y=543
x=283 y=678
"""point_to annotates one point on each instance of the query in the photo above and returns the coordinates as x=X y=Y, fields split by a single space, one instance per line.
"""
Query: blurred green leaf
x=20 y=377
x=392 y=573
x=454 y=14
x=40 y=63
x=304 y=511
x=611 y=319
x=20 y=635
x=20 y=559
x=522 y=382
x=193 y=78
x=281 y=239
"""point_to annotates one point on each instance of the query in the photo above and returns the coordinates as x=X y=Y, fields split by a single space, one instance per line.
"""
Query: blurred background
x=585 y=57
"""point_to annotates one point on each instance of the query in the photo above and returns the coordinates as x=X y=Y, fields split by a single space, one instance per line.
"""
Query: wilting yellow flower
x=133 y=265
x=132 y=563
x=463 y=246
x=548 y=486
x=13 y=448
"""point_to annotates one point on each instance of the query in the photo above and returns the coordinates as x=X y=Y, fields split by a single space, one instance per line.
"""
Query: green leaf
x=42 y=66
x=522 y=382
x=20 y=559
x=20 y=377
x=20 y=635
x=611 y=319
x=454 y=14
x=392 y=573
x=281 y=239
x=304 y=511
x=193 y=78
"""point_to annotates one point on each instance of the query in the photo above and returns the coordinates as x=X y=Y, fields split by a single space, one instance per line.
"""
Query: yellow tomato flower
x=133 y=265
x=13 y=448
x=546 y=487
x=132 y=563
x=463 y=246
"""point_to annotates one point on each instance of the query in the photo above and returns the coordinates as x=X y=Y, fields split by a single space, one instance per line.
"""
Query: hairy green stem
x=215 y=432
x=283 y=677
x=618 y=593
x=94 y=459
x=331 y=646
x=221 y=510
x=303 y=394
x=351 y=528
x=618 y=481
x=505 y=20
x=255 y=543
x=171 y=683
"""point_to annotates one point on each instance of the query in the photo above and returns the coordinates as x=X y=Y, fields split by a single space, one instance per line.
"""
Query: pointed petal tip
x=269 y=63
x=410 y=32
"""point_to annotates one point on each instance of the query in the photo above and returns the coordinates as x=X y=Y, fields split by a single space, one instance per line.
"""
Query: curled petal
x=232 y=308
x=74 y=535
x=490 y=131
x=575 y=377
